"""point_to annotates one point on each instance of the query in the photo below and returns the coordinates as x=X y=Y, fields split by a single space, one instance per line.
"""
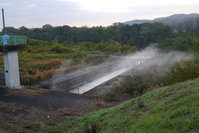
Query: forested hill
x=176 y=18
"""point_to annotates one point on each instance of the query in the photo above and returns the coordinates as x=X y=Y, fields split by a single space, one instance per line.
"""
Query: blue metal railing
x=14 y=40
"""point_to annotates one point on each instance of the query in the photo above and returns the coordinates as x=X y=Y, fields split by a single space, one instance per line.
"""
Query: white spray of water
x=126 y=63
x=149 y=56
x=97 y=82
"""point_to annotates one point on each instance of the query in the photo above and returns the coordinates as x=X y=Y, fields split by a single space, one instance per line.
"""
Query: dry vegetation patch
x=96 y=105
x=31 y=91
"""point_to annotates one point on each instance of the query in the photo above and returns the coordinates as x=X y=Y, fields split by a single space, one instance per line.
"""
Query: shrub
x=56 y=62
x=142 y=81
x=179 y=73
x=30 y=49
x=110 y=46
x=32 y=71
x=195 y=43
x=75 y=67
x=78 y=54
x=76 y=61
x=101 y=46
x=60 y=49
x=127 y=48
x=27 y=79
x=33 y=42
x=67 y=43
x=40 y=50
x=94 y=127
x=178 y=43
x=116 y=94
x=86 y=46
x=43 y=65
x=94 y=59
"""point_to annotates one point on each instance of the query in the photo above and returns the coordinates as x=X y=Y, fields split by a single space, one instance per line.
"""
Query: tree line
x=187 y=25
x=139 y=35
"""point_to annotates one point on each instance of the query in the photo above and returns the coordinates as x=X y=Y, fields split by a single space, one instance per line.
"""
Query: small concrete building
x=10 y=45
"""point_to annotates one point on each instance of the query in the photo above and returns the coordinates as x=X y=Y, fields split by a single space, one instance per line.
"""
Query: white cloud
x=124 y=5
x=35 y=13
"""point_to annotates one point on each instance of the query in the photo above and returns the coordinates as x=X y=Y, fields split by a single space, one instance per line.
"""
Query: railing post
x=25 y=40
x=15 y=40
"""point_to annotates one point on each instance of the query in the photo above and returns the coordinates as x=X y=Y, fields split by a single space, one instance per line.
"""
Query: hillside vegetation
x=71 y=48
x=166 y=110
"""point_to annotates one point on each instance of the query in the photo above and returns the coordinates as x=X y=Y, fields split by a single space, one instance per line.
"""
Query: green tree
x=127 y=48
x=87 y=46
x=178 y=43
x=33 y=42
x=101 y=46
x=195 y=43
x=60 y=49
x=67 y=44
x=180 y=73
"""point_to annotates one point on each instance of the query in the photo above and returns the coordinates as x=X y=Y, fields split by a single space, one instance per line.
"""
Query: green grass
x=169 y=109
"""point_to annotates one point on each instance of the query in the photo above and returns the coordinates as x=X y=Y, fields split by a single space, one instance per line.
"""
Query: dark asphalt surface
x=56 y=99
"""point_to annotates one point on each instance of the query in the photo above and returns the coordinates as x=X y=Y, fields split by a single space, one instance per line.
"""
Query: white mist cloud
x=94 y=76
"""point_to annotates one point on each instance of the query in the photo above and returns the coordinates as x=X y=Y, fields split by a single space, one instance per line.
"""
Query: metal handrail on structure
x=14 y=40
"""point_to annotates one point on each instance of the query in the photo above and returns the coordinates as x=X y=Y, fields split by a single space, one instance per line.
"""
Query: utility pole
x=4 y=29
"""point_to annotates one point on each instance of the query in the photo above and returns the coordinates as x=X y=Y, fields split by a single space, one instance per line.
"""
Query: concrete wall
x=11 y=68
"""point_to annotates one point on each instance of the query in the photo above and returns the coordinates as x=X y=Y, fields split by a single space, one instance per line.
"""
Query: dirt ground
x=24 y=109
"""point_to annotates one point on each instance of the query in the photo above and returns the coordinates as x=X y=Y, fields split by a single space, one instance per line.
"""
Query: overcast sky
x=36 y=13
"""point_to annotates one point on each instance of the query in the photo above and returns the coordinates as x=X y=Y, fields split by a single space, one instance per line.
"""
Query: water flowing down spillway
x=97 y=82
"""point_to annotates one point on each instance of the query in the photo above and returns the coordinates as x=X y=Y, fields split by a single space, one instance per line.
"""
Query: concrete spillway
x=91 y=85
x=86 y=79
x=70 y=81
x=99 y=81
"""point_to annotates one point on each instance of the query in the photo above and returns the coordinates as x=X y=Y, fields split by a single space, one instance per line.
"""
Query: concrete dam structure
x=88 y=78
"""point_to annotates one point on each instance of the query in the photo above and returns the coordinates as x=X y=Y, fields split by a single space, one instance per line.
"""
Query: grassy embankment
x=169 y=109
x=172 y=108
